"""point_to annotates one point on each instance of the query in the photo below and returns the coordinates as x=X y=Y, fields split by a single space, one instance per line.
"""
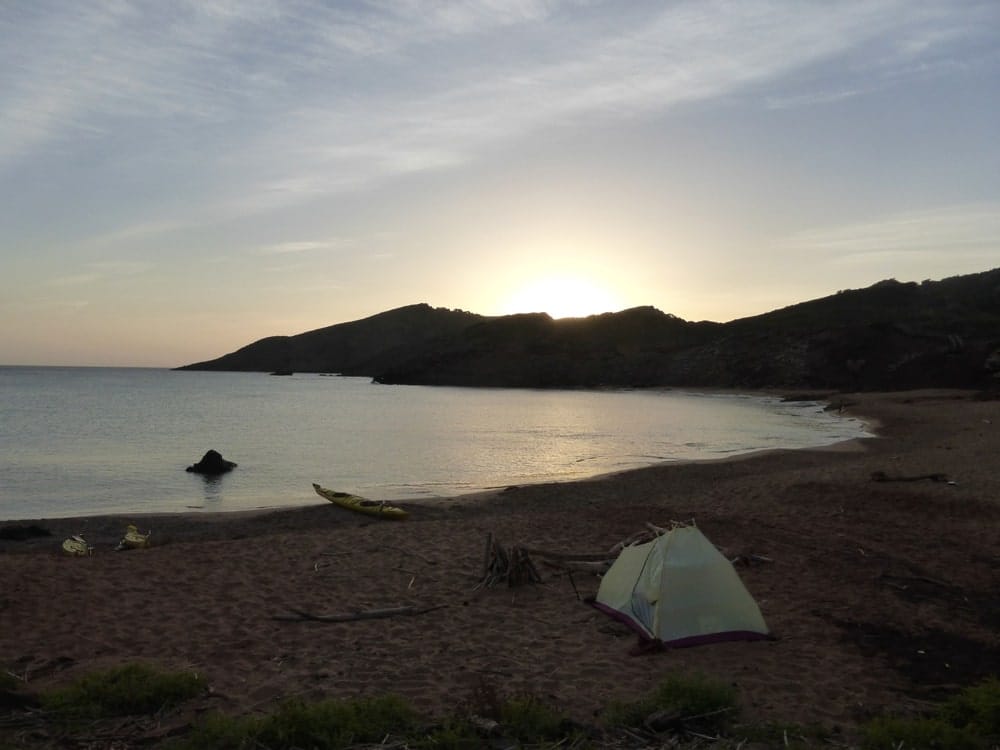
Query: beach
x=881 y=596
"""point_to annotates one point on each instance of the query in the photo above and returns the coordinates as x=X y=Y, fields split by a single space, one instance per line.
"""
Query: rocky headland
x=890 y=336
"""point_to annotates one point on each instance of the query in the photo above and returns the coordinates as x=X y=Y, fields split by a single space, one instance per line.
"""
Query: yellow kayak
x=360 y=504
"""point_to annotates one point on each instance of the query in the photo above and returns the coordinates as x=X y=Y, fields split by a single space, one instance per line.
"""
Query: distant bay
x=86 y=441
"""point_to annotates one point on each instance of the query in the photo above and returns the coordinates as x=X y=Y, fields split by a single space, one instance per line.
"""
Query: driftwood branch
x=298 y=615
x=651 y=532
x=881 y=476
x=749 y=559
x=515 y=566
x=596 y=567
x=581 y=557
x=902 y=582
x=512 y=565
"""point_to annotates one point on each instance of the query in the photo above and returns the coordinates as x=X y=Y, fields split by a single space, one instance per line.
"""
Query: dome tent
x=679 y=590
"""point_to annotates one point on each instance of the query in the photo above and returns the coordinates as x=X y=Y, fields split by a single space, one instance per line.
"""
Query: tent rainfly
x=679 y=590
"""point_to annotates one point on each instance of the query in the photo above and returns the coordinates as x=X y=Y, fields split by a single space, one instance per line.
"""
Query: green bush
x=8 y=681
x=524 y=719
x=699 y=703
x=324 y=725
x=916 y=734
x=122 y=691
x=453 y=734
x=785 y=735
x=527 y=719
x=976 y=708
x=967 y=721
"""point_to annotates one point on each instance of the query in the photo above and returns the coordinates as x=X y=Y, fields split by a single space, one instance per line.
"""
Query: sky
x=179 y=179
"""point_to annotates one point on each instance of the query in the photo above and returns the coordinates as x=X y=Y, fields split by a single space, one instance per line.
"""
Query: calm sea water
x=84 y=441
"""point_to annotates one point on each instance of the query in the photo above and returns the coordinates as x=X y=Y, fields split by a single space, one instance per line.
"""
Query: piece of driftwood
x=750 y=558
x=596 y=567
x=596 y=564
x=639 y=537
x=902 y=581
x=298 y=615
x=648 y=534
x=881 y=476
x=571 y=556
x=512 y=565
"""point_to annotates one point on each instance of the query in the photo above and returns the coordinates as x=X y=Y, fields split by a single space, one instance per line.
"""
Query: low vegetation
x=682 y=711
x=692 y=703
x=8 y=681
x=326 y=724
x=967 y=721
x=123 y=691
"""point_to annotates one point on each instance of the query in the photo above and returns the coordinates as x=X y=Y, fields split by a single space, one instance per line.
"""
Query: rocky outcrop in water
x=212 y=463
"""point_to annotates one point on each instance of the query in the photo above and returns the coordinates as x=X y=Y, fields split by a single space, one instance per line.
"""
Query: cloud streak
x=303 y=246
x=966 y=233
x=292 y=101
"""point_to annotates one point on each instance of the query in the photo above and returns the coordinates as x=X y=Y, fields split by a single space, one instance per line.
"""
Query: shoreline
x=474 y=496
x=95 y=486
x=882 y=595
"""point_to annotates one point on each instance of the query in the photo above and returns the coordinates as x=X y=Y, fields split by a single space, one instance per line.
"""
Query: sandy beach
x=881 y=595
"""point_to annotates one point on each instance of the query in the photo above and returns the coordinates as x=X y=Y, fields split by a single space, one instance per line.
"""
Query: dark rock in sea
x=212 y=463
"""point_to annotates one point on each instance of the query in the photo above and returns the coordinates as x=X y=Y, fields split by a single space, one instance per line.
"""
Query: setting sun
x=562 y=297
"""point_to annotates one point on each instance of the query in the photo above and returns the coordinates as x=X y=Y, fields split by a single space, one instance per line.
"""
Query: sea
x=93 y=441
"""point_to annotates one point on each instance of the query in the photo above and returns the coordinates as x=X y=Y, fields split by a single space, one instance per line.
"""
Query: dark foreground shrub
x=8 y=681
x=123 y=691
x=695 y=702
x=976 y=708
x=916 y=734
x=325 y=725
x=527 y=719
x=967 y=721
x=783 y=734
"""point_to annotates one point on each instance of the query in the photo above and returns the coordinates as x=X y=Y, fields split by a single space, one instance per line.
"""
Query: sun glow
x=562 y=297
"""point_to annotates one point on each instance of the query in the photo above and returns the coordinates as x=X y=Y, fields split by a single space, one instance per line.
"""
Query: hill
x=889 y=336
x=361 y=347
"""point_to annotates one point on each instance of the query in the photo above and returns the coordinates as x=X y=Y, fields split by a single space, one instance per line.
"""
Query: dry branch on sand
x=513 y=565
x=298 y=615
x=881 y=476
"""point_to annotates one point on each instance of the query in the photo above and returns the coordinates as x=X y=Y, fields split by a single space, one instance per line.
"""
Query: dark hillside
x=357 y=348
x=613 y=349
x=890 y=336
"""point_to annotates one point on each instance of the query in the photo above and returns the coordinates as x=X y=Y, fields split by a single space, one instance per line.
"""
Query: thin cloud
x=814 y=98
x=687 y=53
x=286 y=248
x=970 y=232
x=88 y=68
x=291 y=102
x=100 y=271
x=77 y=279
